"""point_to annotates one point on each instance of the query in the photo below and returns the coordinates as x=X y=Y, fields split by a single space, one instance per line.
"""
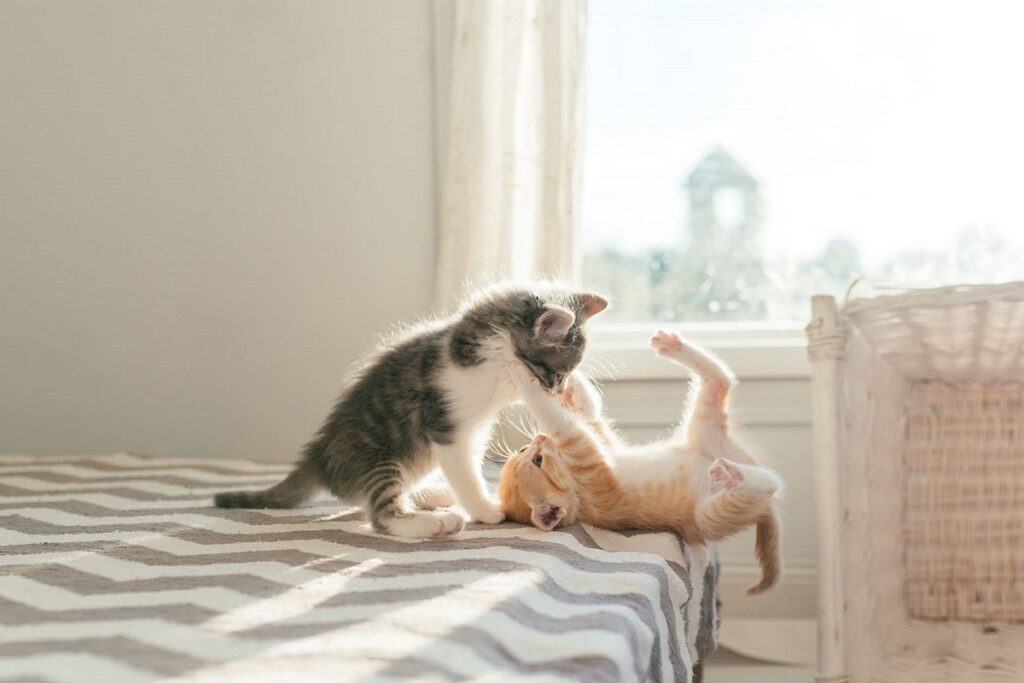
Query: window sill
x=622 y=352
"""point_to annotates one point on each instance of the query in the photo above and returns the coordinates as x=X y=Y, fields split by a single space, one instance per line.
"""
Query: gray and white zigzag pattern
x=117 y=568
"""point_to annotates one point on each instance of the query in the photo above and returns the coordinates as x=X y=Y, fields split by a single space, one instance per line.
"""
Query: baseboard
x=800 y=570
x=795 y=597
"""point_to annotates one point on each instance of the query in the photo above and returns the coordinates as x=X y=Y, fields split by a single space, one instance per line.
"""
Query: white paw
x=490 y=513
x=449 y=524
x=576 y=396
x=725 y=473
x=666 y=343
x=731 y=476
x=427 y=525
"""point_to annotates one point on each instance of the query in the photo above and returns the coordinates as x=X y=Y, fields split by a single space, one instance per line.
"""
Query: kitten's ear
x=552 y=325
x=590 y=305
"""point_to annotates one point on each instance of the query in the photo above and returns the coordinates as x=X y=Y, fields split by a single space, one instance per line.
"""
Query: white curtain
x=510 y=199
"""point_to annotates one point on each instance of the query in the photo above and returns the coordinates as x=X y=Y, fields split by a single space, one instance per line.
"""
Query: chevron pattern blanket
x=117 y=568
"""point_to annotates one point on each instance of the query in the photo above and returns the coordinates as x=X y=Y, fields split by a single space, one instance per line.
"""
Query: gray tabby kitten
x=429 y=398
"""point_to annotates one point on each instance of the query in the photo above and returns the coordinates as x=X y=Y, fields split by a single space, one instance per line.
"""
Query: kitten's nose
x=539 y=439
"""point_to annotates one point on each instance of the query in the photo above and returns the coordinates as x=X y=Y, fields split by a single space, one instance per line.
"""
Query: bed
x=117 y=568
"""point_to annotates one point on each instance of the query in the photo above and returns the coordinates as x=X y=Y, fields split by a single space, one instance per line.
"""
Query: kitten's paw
x=725 y=473
x=449 y=524
x=487 y=513
x=666 y=343
x=426 y=525
x=731 y=476
x=576 y=397
x=571 y=398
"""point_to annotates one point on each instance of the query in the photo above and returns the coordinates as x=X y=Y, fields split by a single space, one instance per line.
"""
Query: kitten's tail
x=767 y=548
x=297 y=487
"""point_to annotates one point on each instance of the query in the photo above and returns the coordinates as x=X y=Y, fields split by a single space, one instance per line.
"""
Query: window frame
x=753 y=350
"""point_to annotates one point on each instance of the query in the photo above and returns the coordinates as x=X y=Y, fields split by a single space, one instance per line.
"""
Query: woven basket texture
x=931 y=449
x=963 y=499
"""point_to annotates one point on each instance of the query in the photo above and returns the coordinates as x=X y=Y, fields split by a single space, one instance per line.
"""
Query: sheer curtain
x=511 y=176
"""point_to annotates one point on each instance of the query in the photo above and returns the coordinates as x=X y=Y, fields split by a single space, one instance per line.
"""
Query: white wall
x=207 y=210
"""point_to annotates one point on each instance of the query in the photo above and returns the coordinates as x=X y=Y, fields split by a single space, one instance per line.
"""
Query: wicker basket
x=919 y=473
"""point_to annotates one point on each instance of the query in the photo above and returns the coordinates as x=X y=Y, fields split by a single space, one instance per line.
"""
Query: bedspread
x=118 y=568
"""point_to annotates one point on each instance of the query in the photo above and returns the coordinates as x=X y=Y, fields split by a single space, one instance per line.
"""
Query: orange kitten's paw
x=725 y=473
x=566 y=396
x=574 y=397
x=665 y=343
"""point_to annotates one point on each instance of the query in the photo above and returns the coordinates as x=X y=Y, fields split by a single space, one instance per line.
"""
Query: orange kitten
x=699 y=482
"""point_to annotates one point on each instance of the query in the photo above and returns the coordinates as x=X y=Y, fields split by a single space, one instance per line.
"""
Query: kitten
x=698 y=482
x=427 y=398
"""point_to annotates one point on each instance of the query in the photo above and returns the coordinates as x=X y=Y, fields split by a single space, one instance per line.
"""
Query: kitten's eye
x=524 y=448
x=538 y=460
x=544 y=374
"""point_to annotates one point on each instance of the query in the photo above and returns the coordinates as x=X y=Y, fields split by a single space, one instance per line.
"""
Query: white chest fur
x=476 y=393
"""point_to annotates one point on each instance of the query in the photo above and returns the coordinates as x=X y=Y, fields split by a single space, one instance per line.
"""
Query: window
x=742 y=156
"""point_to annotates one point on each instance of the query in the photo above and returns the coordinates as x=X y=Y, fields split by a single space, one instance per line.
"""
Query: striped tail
x=294 y=490
x=767 y=548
